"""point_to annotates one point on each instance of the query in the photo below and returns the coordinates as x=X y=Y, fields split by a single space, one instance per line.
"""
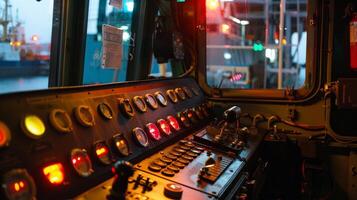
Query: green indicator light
x=258 y=47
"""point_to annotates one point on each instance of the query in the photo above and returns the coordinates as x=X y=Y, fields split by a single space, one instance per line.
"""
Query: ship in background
x=18 y=57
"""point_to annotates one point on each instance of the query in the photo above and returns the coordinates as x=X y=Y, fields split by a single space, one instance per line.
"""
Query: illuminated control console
x=62 y=144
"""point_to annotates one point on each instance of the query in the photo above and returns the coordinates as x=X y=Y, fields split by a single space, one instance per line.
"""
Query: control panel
x=133 y=140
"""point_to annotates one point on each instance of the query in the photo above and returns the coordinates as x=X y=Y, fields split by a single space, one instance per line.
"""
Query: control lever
x=231 y=125
x=123 y=170
x=232 y=114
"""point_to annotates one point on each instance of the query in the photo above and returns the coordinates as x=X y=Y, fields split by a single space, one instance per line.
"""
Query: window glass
x=25 y=40
x=256 y=44
x=102 y=13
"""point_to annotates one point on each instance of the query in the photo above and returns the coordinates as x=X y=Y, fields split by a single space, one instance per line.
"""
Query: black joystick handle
x=232 y=114
x=123 y=170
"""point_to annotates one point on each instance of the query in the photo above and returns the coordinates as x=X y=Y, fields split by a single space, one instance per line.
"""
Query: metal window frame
x=314 y=64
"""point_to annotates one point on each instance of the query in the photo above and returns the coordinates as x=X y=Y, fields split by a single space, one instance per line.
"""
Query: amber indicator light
x=153 y=131
x=54 y=173
x=33 y=126
x=102 y=153
x=164 y=126
x=173 y=122
x=18 y=184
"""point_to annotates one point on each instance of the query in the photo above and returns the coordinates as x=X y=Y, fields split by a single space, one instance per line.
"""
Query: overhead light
x=227 y=55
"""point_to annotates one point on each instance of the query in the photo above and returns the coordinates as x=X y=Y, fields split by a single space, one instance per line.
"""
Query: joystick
x=123 y=170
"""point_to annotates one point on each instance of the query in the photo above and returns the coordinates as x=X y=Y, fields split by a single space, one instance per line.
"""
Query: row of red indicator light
x=55 y=172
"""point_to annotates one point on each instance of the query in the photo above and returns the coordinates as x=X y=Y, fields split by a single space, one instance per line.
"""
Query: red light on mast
x=225 y=28
x=212 y=4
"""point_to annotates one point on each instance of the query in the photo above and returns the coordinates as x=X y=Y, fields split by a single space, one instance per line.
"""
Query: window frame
x=311 y=84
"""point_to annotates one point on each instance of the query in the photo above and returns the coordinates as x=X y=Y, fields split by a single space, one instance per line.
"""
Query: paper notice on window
x=112 y=46
x=116 y=3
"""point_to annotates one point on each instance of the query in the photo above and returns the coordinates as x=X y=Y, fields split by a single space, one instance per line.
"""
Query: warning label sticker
x=112 y=46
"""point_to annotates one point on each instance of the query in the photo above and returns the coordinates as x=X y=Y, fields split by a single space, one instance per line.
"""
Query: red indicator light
x=164 y=126
x=153 y=131
x=5 y=135
x=54 y=173
x=173 y=122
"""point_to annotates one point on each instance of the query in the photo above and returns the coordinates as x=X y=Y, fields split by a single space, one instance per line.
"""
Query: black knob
x=123 y=170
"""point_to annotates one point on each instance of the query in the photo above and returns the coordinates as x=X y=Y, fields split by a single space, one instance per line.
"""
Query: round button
x=33 y=126
x=155 y=168
x=173 y=168
x=188 y=92
x=166 y=159
x=105 y=111
x=175 y=153
x=102 y=153
x=141 y=137
x=81 y=162
x=187 y=157
x=180 y=93
x=196 y=151
x=140 y=103
x=184 y=147
x=151 y=101
x=183 y=161
x=121 y=145
x=84 y=115
x=189 y=144
x=192 y=154
x=172 y=96
x=178 y=164
x=61 y=121
x=160 y=163
x=161 y=98
x=168 y=172
x=173 y=191
x=5 y=135
x=172 y=157
x=178 y=149
x=126 y=107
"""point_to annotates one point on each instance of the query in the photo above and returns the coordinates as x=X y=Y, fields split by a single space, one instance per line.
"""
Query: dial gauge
x=81 y=162
x=139 y=103
x=102 y=153
x=84 y=115
x=161 y=98
x=151 y=101
x=141 y=137
x=126 y=107
x=5 y=135
x=121 y=145
x=180 y=93
x=18 y=184
x=153 y=131
x=172 y=96
x=188 y=92
x=61 y=121
x=105 y=111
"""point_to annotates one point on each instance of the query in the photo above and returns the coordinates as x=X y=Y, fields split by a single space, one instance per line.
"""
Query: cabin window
x=25 y=44
x=256 y=44
x=102 y=65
